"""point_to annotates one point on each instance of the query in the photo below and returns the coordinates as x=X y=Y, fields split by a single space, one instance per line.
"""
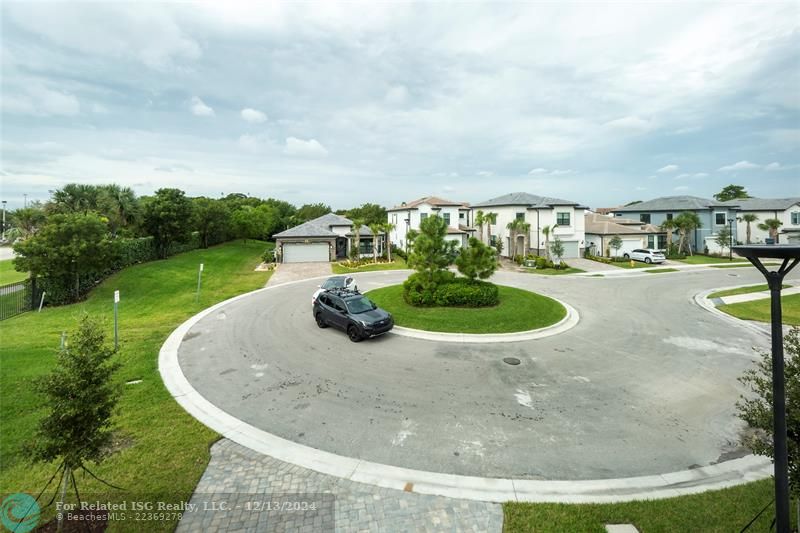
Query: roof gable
x=671 y=203
x=526 y=199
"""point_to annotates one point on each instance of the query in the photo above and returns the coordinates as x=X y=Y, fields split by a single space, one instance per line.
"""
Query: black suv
x=352 y=312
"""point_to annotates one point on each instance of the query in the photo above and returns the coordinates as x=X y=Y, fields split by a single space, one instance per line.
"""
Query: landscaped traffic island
x=518 y=310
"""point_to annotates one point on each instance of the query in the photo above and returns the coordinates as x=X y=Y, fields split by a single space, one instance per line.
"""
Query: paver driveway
x=296 y=271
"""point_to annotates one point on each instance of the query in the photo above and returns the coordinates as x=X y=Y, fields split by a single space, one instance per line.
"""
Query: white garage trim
x=300 y=252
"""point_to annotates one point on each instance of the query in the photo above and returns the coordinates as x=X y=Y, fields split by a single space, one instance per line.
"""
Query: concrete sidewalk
x=751 y=296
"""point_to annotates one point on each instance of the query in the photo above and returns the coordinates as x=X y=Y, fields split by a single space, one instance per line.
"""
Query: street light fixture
x=4 y=220
x=730 y=239
x=791 y=256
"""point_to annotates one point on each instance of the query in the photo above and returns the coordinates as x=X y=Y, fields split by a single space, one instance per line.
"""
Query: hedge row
x=449 y=291
x=128 y=252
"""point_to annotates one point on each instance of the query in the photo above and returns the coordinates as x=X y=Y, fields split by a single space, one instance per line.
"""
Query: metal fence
x=16 y=298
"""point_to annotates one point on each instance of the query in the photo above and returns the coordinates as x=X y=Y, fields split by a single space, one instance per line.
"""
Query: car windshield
x=359 y=305
x=334 y=283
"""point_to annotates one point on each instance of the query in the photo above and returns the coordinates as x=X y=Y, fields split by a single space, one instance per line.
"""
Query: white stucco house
x=326 y=238
x=564 y=216
x=408 y=215
x=787 y=210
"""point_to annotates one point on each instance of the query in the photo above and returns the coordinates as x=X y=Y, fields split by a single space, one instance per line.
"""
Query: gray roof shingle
x=524 y=198
x=306 y=229
x=671 y=203
x=763 y=204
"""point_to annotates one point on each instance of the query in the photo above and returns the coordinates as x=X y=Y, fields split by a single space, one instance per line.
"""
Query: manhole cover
x=511 y=360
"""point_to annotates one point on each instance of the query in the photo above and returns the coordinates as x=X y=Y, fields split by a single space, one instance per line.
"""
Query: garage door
x=571 y=249
x=305 y=253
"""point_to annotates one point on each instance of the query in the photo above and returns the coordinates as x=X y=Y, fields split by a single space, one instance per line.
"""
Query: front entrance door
x=341 y=247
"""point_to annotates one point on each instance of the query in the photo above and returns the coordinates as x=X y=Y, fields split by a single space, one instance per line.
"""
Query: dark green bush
x=449 y=291
x=399 y=252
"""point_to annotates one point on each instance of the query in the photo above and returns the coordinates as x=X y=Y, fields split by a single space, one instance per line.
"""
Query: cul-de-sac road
x=646 y=383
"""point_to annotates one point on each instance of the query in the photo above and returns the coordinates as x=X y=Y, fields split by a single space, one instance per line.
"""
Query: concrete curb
x=702 y=300
x=726 y=474
x=568 y=322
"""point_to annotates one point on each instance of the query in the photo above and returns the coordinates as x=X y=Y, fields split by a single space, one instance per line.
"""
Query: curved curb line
x=568 y=322
x=726 y=474
x=702 y=300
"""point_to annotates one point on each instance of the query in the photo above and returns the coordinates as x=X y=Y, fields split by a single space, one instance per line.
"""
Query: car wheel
x=647 y=260
x=353 y=334
x=320 y=321
x=626 y=256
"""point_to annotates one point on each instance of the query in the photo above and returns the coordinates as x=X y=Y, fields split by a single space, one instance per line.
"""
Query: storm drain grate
x=511 y=361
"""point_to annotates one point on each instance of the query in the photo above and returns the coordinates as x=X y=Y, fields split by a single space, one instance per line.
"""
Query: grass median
x=160 y=451
x=743 y=290
x=759 y=310
x=518 y=310
x=396 y=264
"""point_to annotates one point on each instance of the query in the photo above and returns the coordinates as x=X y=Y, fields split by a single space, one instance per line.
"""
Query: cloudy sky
x=348 y=103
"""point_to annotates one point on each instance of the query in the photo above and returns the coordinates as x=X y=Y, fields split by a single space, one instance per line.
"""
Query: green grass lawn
x=397 y=264
x=162 y=449
x=760 y=310
x=660 y=270
x=742 y=290
x=707 y=260
x=720 y=511
x=553 y=271
x=8 y=274
x=518 y=310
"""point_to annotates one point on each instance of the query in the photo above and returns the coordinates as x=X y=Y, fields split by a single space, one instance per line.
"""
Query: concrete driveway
x=297 y=271
x=645 y=384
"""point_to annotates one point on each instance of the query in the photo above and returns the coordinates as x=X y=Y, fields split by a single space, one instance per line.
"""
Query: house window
x=669 y=216
x=365 y=246
x=394 y=219
x=423 y=216
x=651 y=241
x=461 y=216
x=562 y=219
x=520 y=216
x=719 y=219
x=796 y=218
x=446 y=217
x=644 y=218
x=493 y=240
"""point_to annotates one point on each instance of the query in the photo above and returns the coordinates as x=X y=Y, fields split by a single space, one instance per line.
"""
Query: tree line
x=83 y=232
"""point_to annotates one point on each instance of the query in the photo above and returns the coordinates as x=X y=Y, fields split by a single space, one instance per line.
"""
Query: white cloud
x=741 y=165
x=561 y=172
x=630 y=123
x=682 y=188
x=397 y=95
x=485 y=173
x=773 y=166
x=300 y=148
x=700 y=175
x=200 y=109
x=539 y=170
x=253 y=115
x=682 y=176
x=668 y=168
x=38 y=100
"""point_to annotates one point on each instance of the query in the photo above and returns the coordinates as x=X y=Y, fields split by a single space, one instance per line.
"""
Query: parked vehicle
x=646 y=256
x=351 y=312
x=335 y=282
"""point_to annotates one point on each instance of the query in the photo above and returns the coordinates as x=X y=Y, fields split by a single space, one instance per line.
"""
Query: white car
x=646 y=256
x=335 y=282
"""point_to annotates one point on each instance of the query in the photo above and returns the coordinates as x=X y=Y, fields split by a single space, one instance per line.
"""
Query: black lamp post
x=791 y=256
x=730 y=239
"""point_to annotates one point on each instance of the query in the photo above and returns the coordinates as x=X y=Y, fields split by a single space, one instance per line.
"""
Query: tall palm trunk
x=748 y=232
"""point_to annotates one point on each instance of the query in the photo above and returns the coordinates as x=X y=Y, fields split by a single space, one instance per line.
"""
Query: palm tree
x=118 y=204
x=686 y=222
x=480 y=220
x=512 y=229
x=748 y=218
x=547 y=231
x=668 y=226
x=489 y=219
x=357 y=224
x=388 y=227
x=525 y=227
x=771 y=225
x=376 y=231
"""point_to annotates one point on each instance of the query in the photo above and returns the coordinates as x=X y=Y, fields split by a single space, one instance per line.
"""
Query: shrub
x=268 y=256
x=605 y=260
x=463 y=292
x=418 y=289
x=399 y=252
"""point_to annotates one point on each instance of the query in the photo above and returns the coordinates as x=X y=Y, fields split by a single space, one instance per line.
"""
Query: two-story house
x=787 y=210
x=565 y=219
x=407 y=216
x=713 y=216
